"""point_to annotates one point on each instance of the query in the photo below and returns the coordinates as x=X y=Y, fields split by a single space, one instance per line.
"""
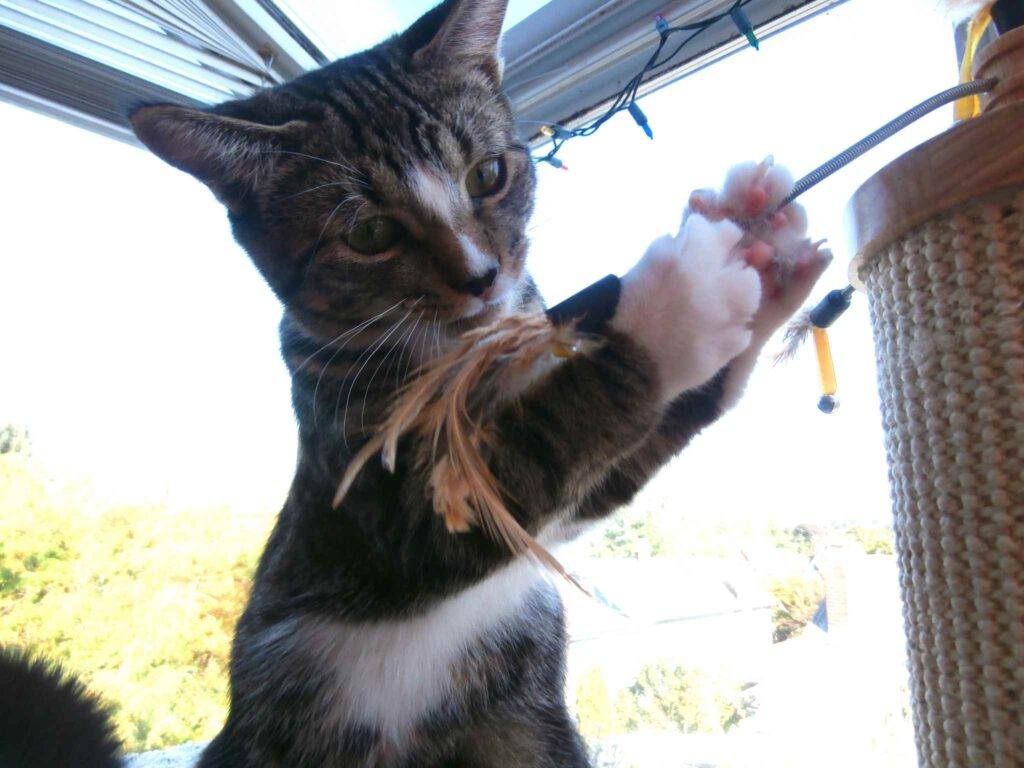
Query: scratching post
x=940 y=238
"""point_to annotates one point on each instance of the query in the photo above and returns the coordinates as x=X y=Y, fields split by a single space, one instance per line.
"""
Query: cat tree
x=940 y=238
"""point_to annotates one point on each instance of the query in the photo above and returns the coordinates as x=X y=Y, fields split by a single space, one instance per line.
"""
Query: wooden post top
x=971 y=160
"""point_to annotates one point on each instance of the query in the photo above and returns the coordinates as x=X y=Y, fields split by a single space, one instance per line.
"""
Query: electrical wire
x=626 y=98
x=628 y=95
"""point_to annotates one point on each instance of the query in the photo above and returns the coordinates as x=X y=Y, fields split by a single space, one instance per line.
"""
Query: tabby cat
x=385 y=199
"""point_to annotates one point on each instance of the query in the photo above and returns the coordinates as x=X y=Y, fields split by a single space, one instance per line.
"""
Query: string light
x=742 y=22
x=641 y=119
x=625 y=101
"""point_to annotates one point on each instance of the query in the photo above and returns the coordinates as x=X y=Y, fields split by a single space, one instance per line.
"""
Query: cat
x=385 y=200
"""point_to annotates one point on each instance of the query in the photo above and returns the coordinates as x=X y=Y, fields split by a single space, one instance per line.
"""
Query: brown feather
x=797 y=332
x=448 y=405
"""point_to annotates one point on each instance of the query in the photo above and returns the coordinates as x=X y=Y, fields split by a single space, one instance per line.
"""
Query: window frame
x=564 y=63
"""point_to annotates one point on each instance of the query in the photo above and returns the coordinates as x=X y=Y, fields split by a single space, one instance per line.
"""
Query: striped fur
x=373 y=636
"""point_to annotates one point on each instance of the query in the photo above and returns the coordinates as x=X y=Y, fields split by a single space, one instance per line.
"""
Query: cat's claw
x=775 y=239
x=752 y=196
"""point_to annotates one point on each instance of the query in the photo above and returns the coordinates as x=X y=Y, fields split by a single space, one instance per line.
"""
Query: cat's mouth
x=497 y=301
x=481 y=311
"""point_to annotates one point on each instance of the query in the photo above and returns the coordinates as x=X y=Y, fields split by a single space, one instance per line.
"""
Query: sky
x=140 y=347
x=329 y=22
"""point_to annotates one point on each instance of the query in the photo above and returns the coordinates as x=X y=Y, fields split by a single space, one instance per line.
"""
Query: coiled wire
x=888 y=130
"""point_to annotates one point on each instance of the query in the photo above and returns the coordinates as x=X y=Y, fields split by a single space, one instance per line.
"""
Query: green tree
x=14 y=439
x=689 y=700
x=594 y=706
x=796 y=600
x=873 y=540
x=800 y=539
x=632 y=533
x=139 y=601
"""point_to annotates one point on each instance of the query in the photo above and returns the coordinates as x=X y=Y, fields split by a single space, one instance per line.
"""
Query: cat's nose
x=478 y=286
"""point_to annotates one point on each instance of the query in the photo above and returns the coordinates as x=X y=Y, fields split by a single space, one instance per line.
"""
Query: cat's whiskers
x=372 y=351
x=387 y=356
x=342 y=337
x=411 y=363
x=318 y=186
x=421 y=357
x=320 y=239
x=343 y=166
x=327 y=365
x=353 y=174
x=367 y=353
x=359 y=176
x=405 y=347
x=437 y=337
x=356 y=214
x=434 y=347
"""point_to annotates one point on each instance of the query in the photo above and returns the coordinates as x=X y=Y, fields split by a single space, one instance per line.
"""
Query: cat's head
x=391 y=175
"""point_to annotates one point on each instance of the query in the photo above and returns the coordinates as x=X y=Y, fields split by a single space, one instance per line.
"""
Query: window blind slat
x=153 y=67
x=191 y=23
x=189 y=78
x=91 y=61
x=115 y=32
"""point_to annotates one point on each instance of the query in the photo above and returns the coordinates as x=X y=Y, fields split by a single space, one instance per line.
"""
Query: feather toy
x=446 y=406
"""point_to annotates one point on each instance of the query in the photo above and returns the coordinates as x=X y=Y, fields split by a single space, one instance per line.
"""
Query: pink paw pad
x=706 y=202
x=761 y=257
x=753 y=190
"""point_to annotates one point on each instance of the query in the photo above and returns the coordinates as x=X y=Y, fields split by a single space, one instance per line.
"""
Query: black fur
x=49 y=720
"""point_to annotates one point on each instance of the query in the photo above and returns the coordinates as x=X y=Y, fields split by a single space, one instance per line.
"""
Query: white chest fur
x=391 y=674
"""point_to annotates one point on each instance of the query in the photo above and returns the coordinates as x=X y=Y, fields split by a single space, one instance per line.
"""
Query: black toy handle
x=592 y=307
x=1008 y=14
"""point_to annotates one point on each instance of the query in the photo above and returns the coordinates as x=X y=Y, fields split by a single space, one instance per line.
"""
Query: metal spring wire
x=888 y=130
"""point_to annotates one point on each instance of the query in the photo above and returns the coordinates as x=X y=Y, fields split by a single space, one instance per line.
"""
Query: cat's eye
x=486 y=178
x=372 y=236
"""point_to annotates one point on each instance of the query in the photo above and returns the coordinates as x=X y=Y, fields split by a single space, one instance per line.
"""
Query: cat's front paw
x=689 y=303
x=752 y=196
x=775 y=237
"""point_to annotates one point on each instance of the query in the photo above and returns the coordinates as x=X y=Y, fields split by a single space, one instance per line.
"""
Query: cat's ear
x=469 y=32
x=231 y=156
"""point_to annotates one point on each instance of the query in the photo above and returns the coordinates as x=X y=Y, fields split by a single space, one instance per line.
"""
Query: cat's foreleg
x=775 y=239
x=685 y=311
x=774 y=244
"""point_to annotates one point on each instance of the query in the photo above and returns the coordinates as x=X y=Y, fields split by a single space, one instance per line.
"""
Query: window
x=142 y=351
x=775 y=524
x=330 y=23
x=89 y=61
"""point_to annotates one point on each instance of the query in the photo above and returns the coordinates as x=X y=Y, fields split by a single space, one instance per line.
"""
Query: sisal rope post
x=940 y=240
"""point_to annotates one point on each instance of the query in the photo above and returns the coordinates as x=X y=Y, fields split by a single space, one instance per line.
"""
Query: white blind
x=90 y=60
x=175 y=44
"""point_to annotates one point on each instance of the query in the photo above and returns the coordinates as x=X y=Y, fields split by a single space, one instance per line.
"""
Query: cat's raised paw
x=775 y=239
x=689 y=303
x=752 y=196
